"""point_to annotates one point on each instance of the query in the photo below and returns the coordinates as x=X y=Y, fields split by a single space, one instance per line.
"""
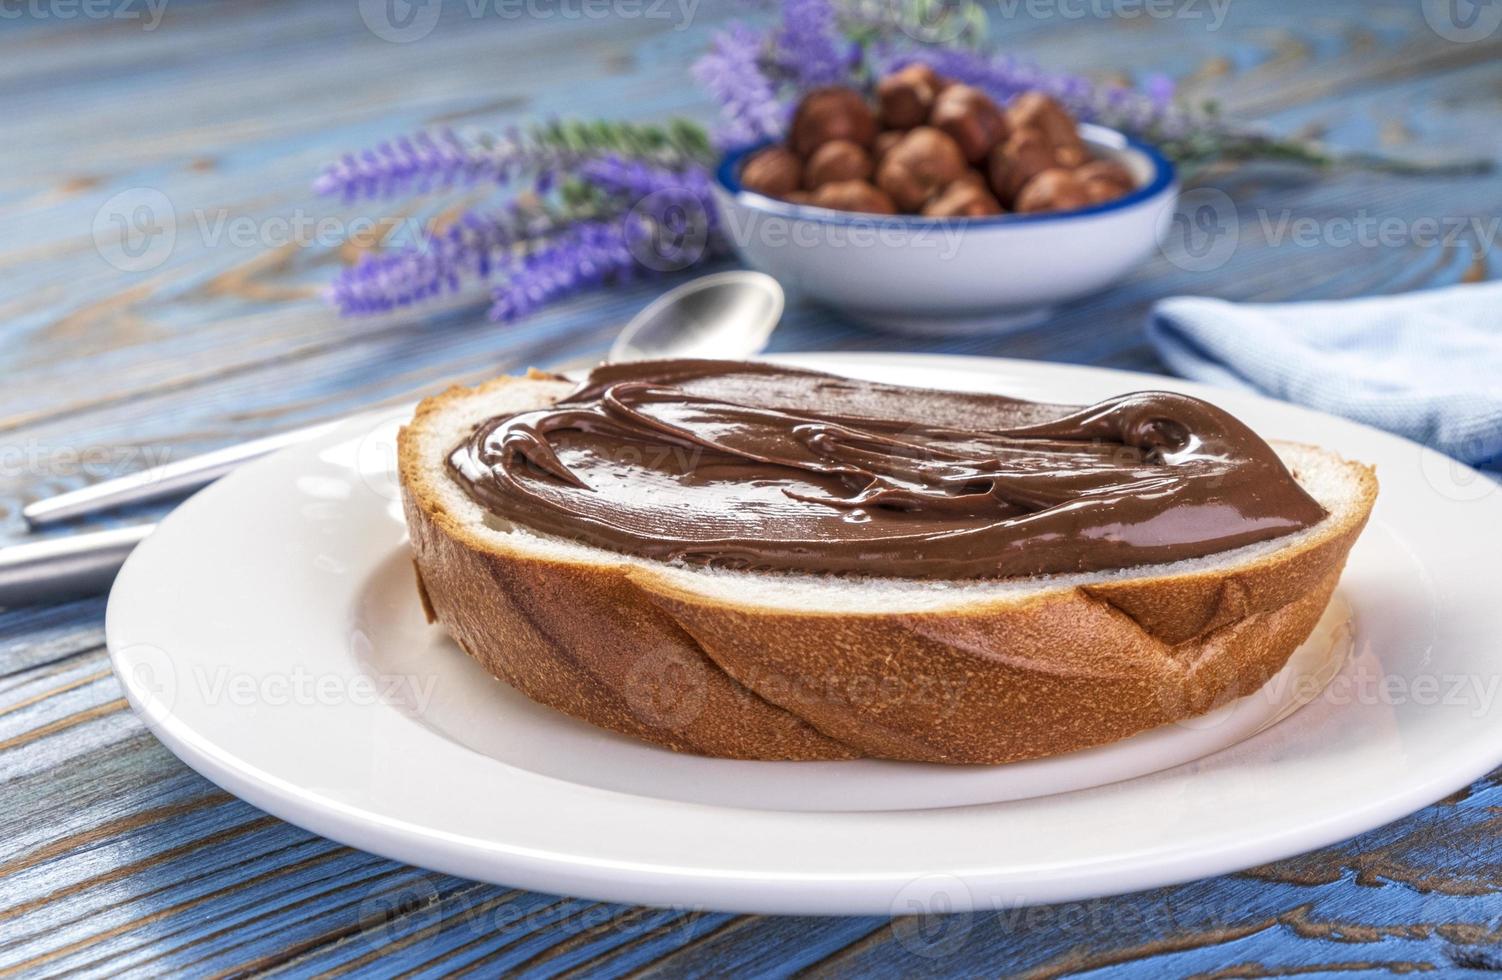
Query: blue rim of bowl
x=727 y=174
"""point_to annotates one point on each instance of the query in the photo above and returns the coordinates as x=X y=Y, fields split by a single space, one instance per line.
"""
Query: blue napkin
x=1425 y=365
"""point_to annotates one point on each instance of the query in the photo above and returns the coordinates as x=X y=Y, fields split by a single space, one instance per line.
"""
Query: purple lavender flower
x=807 y=47
x=663 y=233
x=670 y=212
x=1160 y=88
x=674 y=204
x=445 y=159
x=637 y=180
x=590 y=254
x=469 y=250
x=416 y=164
x=731 y=70
x=757 y=75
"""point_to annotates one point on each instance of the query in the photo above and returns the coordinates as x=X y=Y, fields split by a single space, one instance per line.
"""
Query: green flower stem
x=677 y=141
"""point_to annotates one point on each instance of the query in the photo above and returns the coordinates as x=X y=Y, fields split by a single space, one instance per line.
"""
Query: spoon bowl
x=727 y=315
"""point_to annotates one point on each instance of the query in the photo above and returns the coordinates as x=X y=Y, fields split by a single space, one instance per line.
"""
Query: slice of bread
x=753 y=665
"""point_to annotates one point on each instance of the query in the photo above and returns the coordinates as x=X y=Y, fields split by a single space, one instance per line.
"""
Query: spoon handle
x=168 y=480
x=185 y=475
x=67 y=567
x=692 y=334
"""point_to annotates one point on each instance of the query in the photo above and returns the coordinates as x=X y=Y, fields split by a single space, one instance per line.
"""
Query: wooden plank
x=116 y=859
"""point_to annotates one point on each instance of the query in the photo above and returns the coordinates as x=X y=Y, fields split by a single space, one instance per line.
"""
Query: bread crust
x=638 y=650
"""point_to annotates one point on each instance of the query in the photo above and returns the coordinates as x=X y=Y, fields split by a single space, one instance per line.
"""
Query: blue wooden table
x=115 y=858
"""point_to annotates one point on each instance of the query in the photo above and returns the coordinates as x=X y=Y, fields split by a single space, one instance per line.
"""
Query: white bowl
x=952 y=275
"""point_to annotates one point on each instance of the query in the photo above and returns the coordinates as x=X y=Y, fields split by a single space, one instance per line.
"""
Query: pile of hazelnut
x=933 y=147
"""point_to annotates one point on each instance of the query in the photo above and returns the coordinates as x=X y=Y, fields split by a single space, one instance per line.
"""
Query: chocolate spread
x=756 y=466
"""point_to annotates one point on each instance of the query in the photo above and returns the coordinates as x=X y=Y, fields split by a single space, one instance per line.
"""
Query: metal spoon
x=727 y=315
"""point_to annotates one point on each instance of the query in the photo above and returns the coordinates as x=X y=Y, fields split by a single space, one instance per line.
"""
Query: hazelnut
x=918 y=167
x=1055 y=189
x=965 y=198
x=906 y=96
x=884 y=143
x=970 y=117
x=775 y=172
x=837 y=160
x=853 y=195
x=1024 y=155
x=1104 y=180
x=924 y=74
x=1037 y=110
x=834 y=113
x=971 y=177
x=1071 y=154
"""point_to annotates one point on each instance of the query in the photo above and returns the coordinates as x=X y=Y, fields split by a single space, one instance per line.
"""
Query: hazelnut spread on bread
x=760 y=467
x=755 y=562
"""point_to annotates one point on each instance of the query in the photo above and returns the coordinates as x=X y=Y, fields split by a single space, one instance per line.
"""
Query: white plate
x=269 y=635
